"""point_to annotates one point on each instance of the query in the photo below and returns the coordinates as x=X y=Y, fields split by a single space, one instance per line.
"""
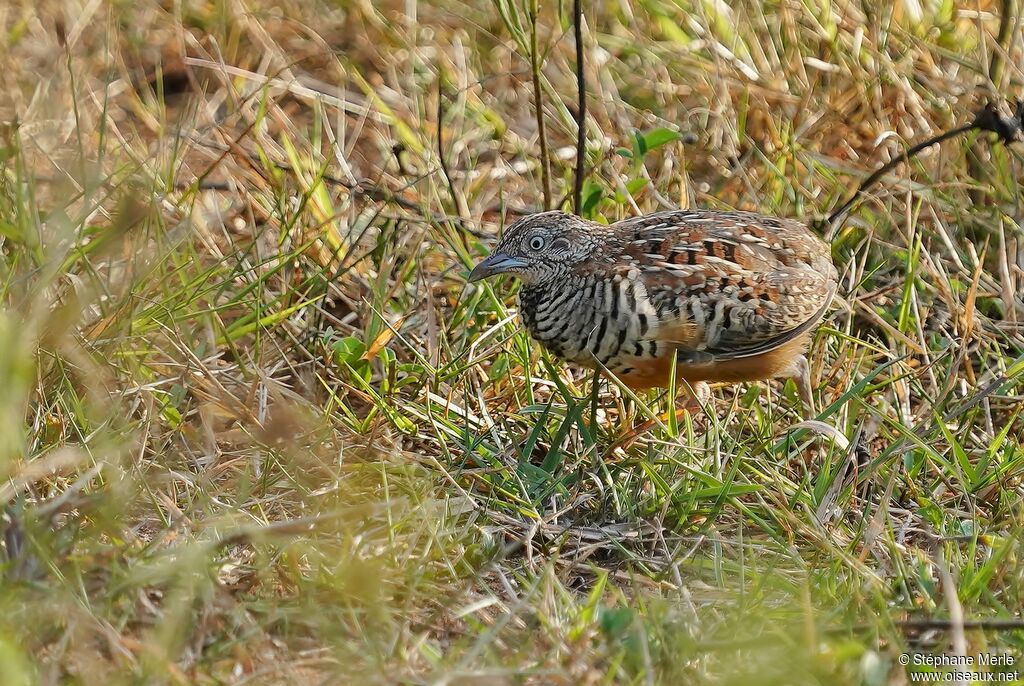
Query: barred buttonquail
x=732 y=295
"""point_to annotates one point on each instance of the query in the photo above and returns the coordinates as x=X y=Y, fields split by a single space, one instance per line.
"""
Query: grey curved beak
x=495 y=264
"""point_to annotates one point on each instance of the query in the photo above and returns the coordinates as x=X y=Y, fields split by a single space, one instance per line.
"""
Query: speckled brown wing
x=725 y=285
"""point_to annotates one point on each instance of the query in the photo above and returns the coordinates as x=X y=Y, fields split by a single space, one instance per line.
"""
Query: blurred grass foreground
x=255 y=428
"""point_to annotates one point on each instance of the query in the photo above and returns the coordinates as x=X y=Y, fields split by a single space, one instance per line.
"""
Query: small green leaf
x=639 y=144
x=624 y=152
x=659 y=137
x=592 y=194
x=11 y=232
x=348 y=350
x=615 y=621
x=633 y=186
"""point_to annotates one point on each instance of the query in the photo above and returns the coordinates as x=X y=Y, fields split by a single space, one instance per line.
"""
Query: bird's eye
x=537 y=243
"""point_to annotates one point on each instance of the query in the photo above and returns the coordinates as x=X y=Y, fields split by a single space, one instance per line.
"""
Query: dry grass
x=257 y=429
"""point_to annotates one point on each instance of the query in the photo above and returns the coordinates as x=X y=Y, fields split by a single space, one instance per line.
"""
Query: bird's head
x=541 y=247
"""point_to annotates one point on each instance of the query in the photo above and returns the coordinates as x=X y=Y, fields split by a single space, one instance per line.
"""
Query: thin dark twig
x=894 y=162
x=1009 y=128
x=581 y=108
x=538 y=102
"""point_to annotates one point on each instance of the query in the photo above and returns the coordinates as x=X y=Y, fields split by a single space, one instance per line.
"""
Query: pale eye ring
x=537 y=243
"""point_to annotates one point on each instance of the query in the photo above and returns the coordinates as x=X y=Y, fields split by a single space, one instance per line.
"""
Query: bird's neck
x=533 y=294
